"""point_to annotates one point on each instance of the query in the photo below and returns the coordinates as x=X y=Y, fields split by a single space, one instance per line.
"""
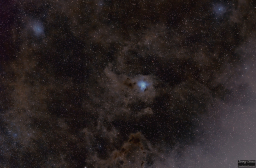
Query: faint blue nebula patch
x=219 y=9
x=37 y=27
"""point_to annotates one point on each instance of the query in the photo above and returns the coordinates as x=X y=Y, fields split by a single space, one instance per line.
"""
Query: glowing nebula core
x=142 y=85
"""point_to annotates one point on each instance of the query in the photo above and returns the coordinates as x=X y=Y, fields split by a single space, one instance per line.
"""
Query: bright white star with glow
x=142 y=85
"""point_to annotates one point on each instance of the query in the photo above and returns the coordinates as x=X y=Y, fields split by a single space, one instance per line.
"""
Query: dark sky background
x=127 y=84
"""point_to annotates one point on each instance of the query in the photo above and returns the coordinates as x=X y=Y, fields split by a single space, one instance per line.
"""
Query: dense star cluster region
x=127 y=84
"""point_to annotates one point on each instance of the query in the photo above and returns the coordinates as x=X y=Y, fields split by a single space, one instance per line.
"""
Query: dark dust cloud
x=127 y=84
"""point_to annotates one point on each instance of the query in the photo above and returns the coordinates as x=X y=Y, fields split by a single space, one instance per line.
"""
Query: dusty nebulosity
x=111 y=83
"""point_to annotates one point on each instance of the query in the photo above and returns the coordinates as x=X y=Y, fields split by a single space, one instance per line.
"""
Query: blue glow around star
x=38 y=28
x=142 y=85
x=219 y=9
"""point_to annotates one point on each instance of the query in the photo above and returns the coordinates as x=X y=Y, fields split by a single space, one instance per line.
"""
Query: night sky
x=127 y=83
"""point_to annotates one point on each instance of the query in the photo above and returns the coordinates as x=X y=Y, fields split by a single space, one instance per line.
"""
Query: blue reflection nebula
x=142 y=85
x=38 y=28
x=219 y=9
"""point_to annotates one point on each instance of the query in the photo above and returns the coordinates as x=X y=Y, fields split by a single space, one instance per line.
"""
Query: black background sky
x=72 y=76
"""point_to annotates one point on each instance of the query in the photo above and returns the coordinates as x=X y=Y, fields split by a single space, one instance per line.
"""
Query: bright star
x=143 y=85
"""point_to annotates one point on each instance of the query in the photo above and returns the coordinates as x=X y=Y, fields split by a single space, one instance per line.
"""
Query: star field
x=127 y=84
